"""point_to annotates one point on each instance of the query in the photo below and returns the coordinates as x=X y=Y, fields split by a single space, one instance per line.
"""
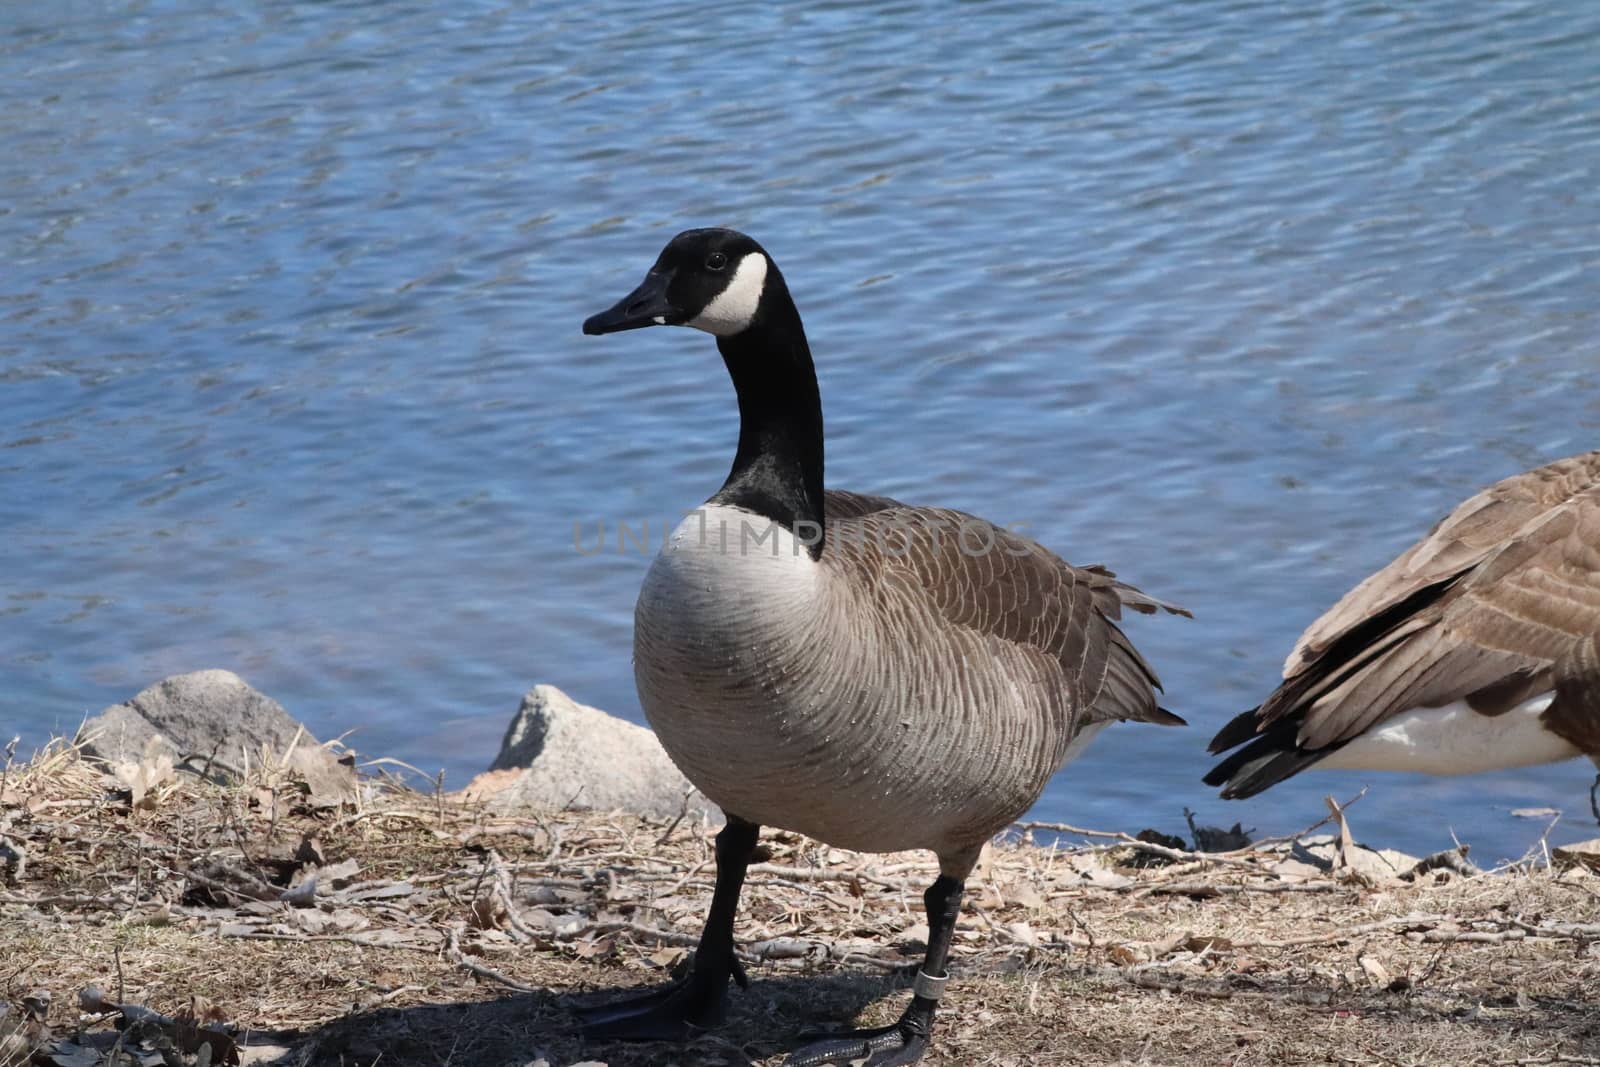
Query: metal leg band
x=929 y=987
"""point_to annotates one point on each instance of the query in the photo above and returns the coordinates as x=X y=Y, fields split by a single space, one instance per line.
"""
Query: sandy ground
x=141 y=909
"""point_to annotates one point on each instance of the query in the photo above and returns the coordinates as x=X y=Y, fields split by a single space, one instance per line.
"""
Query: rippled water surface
x=1237 y=298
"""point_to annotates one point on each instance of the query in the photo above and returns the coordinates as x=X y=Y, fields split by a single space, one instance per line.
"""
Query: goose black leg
x=695 y=1002
x=1594 y=798
x=903 y=1042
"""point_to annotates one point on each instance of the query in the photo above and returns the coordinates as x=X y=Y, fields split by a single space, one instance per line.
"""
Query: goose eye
x=716 y=261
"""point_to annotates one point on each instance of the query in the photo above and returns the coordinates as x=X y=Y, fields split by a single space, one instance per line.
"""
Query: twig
x=773 y=948
x=1289 y=839
x=1214 y=889
x=687 y=877
x=1252 y=849
x=365 y=940
x=1488 y=937
x=622 y=926
x=1237 y=858
x=59 y=900
x=454 y=954
x=1560 y=931
x=376 y=813
x=815 y=874
x=1346 y=933
x=1346 y=841
x=683 y=813
x=396 y=992
x=502 y=886
x=1433 y=965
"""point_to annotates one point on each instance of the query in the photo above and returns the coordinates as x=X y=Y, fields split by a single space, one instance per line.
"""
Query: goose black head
x=710 y=279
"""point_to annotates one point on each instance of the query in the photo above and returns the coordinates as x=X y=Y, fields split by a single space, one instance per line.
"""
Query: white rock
x=1535 y=813
x=560 y=754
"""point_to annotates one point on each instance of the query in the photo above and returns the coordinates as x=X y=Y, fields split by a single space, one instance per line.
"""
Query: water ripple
x=1237 y=297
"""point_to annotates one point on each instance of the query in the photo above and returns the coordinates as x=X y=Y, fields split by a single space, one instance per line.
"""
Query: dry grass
x=436 y=934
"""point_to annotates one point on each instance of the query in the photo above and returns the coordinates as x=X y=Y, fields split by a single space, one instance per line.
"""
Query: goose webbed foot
x=681 y=1010
x=906 y=1040
x=887 y=1046
x=672 y=1013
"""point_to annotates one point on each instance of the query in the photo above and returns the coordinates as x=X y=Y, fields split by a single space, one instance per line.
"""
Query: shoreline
x=404 y=927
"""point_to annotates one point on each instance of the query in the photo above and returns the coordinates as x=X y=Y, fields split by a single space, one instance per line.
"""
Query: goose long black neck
x=777 y=472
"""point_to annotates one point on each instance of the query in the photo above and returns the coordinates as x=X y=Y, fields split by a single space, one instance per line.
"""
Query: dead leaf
x=1107 y=879
x=1023 y=934
x=1123 y=956
x=1376 y=973
x=589 y=950
x=340 y=874
x=666 y=957
x=158 y=916
x=1024 y=895
x=1207 y=943
x=146 y=779
x=338 y=921
x=1169 y=944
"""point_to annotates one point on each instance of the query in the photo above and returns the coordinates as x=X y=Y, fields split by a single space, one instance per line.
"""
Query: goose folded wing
x=1002 y=587
x=1493 y=636
x=1477 y=529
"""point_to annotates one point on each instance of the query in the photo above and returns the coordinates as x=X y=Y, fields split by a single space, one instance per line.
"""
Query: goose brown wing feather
x=1003 y=587
x=1503 y=589
x=1478 y=528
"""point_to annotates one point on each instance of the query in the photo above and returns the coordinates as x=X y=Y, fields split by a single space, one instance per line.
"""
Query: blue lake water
x=1236 y=297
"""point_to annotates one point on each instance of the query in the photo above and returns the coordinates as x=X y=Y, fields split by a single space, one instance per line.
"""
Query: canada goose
x=873 y=675
x=1478 y=648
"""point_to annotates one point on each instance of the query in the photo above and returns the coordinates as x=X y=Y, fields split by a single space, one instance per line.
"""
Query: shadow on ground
x=763 y=1021
x=1050 y=1016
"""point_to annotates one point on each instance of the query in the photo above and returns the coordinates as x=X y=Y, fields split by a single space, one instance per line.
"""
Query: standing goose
x=1478 y=648
x=876 y=676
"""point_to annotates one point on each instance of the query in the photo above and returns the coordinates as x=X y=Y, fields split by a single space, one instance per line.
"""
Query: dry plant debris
x=152 y=916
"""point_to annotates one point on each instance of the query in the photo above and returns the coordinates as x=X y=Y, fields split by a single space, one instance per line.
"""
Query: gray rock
x=1581 y=854
x=214 y=713
x=1377 y=866
x=560 y=754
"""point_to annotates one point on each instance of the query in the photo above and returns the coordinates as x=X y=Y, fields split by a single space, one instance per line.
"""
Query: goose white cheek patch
x=736 y=305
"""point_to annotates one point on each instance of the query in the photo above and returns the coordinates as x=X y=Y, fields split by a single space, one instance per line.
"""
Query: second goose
x=1478 y=648
x=876 y=676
